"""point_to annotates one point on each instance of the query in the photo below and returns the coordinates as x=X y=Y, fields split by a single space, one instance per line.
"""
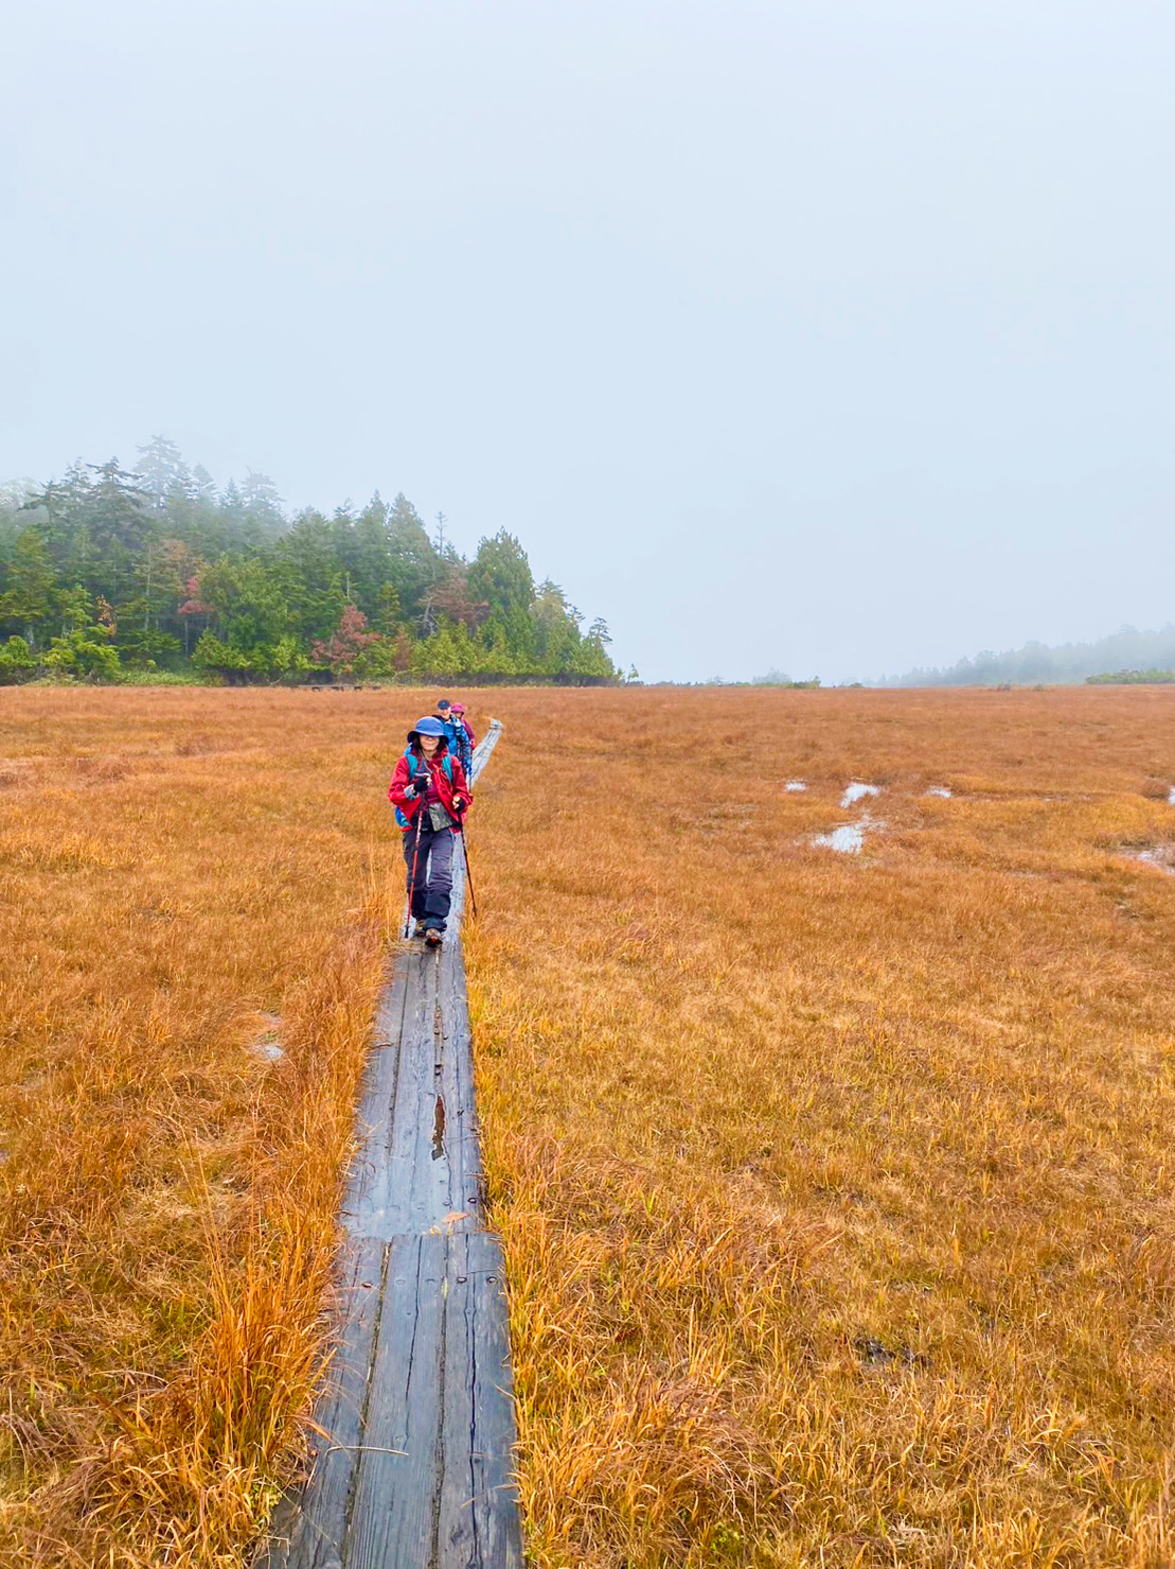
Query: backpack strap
x=446 y=762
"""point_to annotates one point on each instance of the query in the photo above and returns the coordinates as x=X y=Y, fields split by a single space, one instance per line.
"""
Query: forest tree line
x=154 y=573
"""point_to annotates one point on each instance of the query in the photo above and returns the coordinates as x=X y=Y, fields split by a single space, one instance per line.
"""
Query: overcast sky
x=835 y=337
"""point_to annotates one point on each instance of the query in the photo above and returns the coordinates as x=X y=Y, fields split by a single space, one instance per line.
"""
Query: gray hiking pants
x=431 y=889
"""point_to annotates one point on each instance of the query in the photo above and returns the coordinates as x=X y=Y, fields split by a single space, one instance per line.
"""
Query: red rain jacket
x=409 y=805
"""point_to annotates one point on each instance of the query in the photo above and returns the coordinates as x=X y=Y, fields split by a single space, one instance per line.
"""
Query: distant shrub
x=17 y=661
x=774 y=678
x=1132 y=678
x=149 y=677
x=79 y=654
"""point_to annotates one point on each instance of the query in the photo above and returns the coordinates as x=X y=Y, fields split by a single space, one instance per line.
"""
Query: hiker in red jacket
x=431 y=795
x=457 y=710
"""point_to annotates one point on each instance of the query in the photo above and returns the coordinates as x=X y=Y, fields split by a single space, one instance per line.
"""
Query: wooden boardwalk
x=413 y=1466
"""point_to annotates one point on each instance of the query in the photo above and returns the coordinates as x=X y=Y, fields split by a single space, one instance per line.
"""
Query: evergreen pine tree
x=203 y=486
x=27 y=602
x=413 y=562
x=260 y=500
x=161 y=471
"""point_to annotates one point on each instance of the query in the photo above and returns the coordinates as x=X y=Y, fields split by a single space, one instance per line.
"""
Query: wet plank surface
x=412 y=1462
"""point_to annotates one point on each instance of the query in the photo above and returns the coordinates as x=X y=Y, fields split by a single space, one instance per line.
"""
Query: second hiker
x=454 y=731
x=431 y=794
x=466 y=740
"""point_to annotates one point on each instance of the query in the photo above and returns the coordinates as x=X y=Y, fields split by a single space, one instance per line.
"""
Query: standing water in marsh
x=855 y=791
x=849 y=838
x=1162 y=857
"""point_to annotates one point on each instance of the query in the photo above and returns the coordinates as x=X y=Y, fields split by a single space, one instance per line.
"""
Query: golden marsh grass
x=835 y=1189
x=193 y=882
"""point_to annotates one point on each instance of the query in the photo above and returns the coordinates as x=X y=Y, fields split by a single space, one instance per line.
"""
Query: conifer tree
x=203 y=486
x=413 y=563
x=27 y=602
x=260 y=500
x=161 y=471
x=176 y=565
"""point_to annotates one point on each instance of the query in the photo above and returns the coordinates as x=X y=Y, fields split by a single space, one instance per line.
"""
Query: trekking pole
x=468 y=869
x=412 y=878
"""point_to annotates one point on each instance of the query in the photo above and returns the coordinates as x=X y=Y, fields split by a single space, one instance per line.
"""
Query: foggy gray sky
x=832 y=337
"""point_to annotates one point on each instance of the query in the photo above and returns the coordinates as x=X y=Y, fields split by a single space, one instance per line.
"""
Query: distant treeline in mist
x=110 y=574
x=1127 y=655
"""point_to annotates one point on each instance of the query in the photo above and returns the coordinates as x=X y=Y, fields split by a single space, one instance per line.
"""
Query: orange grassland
x=189 y=877
x=835 y=1190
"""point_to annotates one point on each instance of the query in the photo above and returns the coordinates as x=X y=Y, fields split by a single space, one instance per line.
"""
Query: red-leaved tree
x=348 y=640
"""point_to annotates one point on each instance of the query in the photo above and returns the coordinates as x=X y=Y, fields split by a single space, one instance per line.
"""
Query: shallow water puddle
x=941 y=790
x=856 y=791
x=268 y=1051
x=1162 y=857
x=265 y=1045
x=1171 y=797
x=849 y=838
x=795 y=784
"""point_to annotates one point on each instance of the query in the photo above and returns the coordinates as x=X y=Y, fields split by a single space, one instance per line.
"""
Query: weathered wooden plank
x=374 y=1118
x=388 y=1175
x=457 y=904
x=389 y=1011
x=419 y=1179
x=457 y=1079
x=393 y=1509
x=309 y=1528
x=485 y=746
x=477 y=1522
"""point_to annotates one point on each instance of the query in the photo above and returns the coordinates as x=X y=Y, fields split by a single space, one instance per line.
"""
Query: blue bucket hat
x=426 y=726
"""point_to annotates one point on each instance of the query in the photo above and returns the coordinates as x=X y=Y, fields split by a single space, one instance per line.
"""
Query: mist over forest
x=1123 y=653
x=154 y=573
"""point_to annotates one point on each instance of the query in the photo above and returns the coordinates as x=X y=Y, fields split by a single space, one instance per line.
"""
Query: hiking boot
x=433 y=936
x=419 y=929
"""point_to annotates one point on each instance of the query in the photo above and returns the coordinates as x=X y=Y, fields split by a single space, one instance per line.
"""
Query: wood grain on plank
x=477 y=1523
x=309 y=1530
x=367 y=1181
x=392 y=1513
x=464 y=1153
